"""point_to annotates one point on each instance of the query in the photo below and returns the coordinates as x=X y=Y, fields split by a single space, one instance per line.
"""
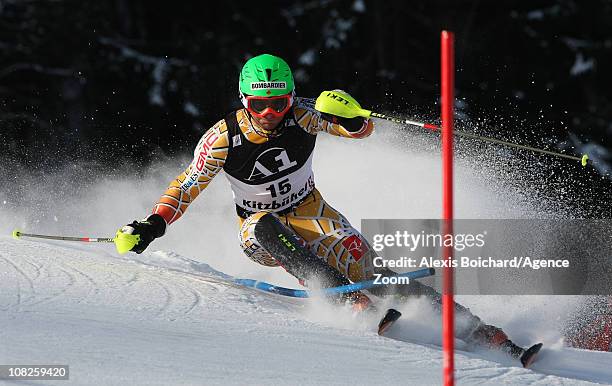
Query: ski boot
x=359 y=301
x=362 y=302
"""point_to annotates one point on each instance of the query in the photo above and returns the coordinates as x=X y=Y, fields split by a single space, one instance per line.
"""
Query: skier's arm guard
x=208 y=160
x=314 y=121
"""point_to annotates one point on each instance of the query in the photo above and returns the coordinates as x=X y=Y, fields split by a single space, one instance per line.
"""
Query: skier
x=266 y=151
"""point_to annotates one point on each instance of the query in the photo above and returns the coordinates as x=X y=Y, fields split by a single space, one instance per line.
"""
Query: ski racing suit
x=274 y=175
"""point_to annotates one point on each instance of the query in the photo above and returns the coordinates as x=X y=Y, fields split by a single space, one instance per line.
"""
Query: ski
x=330 y=291
x=526 y=356
x=390 y=317
x=530 y=355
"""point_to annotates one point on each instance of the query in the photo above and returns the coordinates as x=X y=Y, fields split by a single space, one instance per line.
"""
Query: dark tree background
x=133 y=79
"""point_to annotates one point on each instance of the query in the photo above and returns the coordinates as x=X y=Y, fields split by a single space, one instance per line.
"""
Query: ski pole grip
x=124 y=242
x=340 y=104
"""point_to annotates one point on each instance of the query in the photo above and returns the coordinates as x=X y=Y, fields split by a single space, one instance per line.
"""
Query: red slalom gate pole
x=447 y=104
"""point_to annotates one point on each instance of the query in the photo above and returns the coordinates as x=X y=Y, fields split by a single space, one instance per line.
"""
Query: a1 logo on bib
x=270 y=162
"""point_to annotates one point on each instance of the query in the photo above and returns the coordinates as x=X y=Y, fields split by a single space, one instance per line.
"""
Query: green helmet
x=265 y=75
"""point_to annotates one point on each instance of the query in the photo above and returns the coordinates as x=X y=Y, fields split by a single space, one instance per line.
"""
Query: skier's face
x=268 y=112
x=268 y=122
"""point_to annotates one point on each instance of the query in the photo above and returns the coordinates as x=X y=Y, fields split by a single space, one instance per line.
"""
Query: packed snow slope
x=164 y=319
x=172 y=316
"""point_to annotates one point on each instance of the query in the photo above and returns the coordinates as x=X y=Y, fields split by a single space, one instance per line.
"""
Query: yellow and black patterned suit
x=235 y=146
x=325 y=230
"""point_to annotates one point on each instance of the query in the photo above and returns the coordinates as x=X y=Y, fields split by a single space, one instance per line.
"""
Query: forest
x=135 y=80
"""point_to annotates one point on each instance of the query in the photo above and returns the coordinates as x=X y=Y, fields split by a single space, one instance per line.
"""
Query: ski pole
x=17 y=234
x=123 y=242
x=583 y=160
x=343 y=105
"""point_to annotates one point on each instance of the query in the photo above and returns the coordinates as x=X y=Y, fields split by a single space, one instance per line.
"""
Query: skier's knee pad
x=251 y=247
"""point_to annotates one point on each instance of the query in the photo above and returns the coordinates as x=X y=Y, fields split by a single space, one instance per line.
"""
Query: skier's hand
x=148 y=229
x=350 y=124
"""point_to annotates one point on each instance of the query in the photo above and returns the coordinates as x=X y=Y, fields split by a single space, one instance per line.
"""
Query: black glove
x=350 y=124
x=149 y=229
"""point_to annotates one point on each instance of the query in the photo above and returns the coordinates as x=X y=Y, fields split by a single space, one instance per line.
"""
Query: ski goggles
x=276 y=105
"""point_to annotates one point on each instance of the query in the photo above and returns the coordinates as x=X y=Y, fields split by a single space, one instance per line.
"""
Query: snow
x=191 y=109
x=581 y=65
x=335 y=31
x=536 y=14
x=576 y=44
x=172 y=315
x=540 y=14
x=358 y=6
x=118 y=321
x=308 y=58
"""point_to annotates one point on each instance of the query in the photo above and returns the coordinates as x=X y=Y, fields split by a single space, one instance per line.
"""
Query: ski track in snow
x=163 y=319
